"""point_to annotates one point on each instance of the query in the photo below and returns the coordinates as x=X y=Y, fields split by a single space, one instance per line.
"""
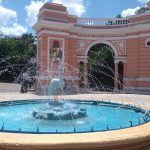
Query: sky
x=18 y=16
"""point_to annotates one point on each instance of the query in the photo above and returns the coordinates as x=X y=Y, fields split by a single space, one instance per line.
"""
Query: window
x=147 y=43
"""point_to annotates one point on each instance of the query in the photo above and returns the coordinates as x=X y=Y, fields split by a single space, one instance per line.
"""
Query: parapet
x=55 y=12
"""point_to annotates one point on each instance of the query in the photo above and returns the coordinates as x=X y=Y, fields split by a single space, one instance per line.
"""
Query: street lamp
x=1 y=35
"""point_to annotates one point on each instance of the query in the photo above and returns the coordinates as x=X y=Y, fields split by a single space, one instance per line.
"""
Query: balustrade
x=102 y=22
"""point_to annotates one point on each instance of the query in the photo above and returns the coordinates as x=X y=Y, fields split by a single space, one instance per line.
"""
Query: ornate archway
x=102 y=42
x=101 y=67
x=118 y=48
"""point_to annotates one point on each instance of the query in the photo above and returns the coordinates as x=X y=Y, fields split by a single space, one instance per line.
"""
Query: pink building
x=128 y=37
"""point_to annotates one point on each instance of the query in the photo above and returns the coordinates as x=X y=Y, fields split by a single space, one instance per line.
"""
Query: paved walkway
x=10 y=91
x=9 y=87
x=142 y=100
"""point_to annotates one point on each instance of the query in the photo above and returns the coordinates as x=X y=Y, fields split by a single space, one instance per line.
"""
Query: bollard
x=37 y=129
x=92 y=129
x=74 y=129
x=107 y=127
x=130 y=123
x=3 y=126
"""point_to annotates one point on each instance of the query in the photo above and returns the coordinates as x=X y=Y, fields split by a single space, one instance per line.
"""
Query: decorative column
x=124 y=74
x=79 y=73
x=85 y=72
x=116 y=78
x=83 y=60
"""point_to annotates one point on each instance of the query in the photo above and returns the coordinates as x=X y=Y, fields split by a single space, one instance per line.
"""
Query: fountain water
x=58 y=109
x=63 y=113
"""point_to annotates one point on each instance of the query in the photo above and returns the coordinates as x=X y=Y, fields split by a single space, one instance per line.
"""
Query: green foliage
x=119 y=16
x=100 y=63
x=22 y=46
x=16 y=51
x=100 y=54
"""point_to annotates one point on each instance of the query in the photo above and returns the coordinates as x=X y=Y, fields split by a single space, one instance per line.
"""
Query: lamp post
x=1 y=35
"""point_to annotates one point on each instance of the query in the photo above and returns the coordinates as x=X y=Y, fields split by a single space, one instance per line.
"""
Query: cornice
x=82 y=58
x=122 y=30
x=118 y=59
x=53 y=11
x=81 y=30
x=60 y=25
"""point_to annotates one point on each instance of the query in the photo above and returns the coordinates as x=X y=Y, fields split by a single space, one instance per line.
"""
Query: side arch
x=101 y=42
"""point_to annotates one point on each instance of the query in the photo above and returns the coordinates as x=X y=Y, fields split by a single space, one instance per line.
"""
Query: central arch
x=101 y=67
x=101 y=42
x=114 y=50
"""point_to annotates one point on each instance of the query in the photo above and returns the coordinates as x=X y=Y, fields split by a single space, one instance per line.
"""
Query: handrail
x=102 y=21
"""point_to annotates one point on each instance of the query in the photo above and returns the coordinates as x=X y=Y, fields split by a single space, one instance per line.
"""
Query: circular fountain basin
x=137 y=137
x=17 y=116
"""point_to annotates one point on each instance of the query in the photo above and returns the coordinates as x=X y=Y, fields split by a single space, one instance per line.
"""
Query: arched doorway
x=101 y=67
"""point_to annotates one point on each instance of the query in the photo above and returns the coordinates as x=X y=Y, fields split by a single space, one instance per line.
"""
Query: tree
x=119 y=16
x=29 y=44
x=99 y=63
x=15 y=52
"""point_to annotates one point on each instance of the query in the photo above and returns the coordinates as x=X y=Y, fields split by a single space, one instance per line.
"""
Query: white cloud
x=75 y=7
x=32 y=11
x=15 y=29
x=7 y=15
x=129 y=11
x=143 y=1
x=8 y=22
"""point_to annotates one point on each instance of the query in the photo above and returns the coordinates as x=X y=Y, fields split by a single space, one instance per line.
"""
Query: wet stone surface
x=59 y=110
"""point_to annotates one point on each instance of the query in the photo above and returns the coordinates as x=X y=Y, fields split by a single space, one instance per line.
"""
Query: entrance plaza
x=128 y=38
x=51 y=116
x=135 y=138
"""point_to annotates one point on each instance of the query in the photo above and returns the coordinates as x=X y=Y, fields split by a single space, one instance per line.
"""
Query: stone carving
x=82 y=45
x=121 y=46
x=56 y=51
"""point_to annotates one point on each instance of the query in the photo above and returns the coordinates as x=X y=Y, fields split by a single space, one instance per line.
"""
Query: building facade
x=128 y=37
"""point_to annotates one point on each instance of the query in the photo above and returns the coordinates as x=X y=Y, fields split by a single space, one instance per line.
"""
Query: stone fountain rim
x=78 y=140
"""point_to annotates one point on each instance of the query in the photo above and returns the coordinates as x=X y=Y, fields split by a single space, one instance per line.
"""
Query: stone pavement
x=12 y=92
x=125 y=137
x=142 y=100
x=9 y=87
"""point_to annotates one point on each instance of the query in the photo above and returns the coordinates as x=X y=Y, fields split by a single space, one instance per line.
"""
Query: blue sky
x=18 y=16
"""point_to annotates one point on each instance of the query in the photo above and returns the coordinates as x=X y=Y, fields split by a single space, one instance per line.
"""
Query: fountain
x=65 y=119
x=63 y=113
x=67 y=114
x=60 y=112
x=58 y=109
